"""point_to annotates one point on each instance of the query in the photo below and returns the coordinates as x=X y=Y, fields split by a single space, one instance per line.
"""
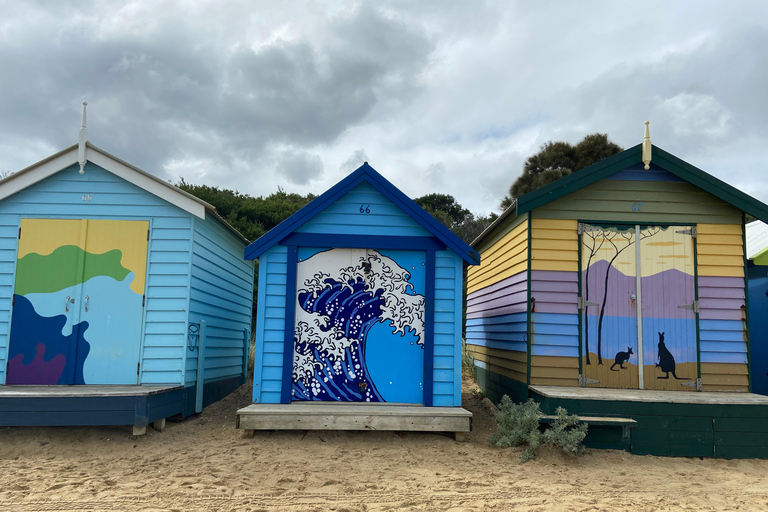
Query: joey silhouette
x=666 y=360
x=621 y=358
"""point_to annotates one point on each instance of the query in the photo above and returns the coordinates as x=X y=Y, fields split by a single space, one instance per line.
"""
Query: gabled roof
x=68 y=157
x=364 y=173
x=619 y=162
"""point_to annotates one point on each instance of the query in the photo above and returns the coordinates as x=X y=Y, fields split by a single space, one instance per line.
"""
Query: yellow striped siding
x=509 y=363
x=554 y=371
x=505 y=258
x=720 y=250
x=725 y=377
x=554 y=244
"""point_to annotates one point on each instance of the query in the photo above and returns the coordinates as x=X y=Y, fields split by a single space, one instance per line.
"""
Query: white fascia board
x=151 y=185
x=28 y=177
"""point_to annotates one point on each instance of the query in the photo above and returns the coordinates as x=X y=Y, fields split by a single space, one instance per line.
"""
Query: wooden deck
x=82 y=391
x=23 y=406
x=647 y=395
x=353 y=416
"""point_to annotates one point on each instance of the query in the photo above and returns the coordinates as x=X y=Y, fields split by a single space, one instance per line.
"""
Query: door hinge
x=583 y=381
x=694 y=306
x=143 y=300
x=147 y=235
x=13 y=300
x=19 y=233
x=585 y=228
x=693 y=384
x=691 y=231
x=138 y=368
x=585 y=303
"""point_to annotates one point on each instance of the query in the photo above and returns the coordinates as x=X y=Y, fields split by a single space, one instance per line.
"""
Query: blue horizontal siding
x=221 y=294
x=446 y=362
x=554 y=334
x=343 y=216
x=722 y=341
x=270 y=326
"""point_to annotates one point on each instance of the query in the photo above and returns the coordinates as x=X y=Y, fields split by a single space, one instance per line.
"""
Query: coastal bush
x=518 y=425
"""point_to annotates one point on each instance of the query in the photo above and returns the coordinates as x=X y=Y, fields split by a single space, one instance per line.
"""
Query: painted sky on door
x=359 y=326
x=57 y=337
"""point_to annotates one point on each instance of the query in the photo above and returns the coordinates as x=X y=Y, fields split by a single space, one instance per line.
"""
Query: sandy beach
x=203 y=463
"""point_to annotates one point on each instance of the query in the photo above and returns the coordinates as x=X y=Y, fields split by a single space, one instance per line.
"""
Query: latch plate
x=694 y=306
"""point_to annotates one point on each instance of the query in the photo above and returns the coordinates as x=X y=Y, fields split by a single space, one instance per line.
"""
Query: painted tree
x=615 y=239
x=589 y=242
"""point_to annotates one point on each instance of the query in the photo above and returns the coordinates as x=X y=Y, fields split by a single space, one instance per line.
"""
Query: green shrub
x=566 y=432
x=467 y=360
x=518 y=425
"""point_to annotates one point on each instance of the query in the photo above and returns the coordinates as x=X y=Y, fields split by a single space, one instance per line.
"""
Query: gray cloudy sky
x=438 y=96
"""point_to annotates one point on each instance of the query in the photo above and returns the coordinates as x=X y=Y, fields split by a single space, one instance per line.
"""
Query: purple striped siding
x=503 y=298
x=721 y=298
x=555 y=291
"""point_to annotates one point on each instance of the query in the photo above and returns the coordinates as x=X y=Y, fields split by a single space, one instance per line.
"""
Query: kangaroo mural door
x=359 y=329
x=78 y=300
x=638 y=292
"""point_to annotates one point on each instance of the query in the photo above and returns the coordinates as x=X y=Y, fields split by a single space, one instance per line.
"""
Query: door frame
x=428 y=244
x=641 y=225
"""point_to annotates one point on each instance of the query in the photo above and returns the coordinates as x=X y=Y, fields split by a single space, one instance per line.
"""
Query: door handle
x=66 y=304
x=86 y=303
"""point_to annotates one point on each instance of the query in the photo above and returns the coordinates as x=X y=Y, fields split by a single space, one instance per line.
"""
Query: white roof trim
x=149 y=183
x=45 y=168
x=18 y=181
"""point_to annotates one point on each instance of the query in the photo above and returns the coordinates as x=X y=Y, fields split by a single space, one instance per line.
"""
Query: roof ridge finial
x=647 y=147
x=81 y=142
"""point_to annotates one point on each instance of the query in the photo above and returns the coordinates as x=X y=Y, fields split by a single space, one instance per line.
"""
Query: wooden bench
x=606 y=421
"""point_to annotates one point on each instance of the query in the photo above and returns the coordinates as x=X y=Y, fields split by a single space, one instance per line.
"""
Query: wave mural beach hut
x=620 y=291
x=124 y=301
x=360 y=305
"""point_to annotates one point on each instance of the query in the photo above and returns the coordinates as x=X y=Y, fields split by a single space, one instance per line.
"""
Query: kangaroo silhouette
x=621 y=358
x=666 y=360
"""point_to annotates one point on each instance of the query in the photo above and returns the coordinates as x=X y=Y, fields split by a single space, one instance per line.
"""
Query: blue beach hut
x=124 y=300
x=360 y=300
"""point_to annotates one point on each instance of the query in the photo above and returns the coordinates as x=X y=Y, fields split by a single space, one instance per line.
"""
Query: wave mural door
x=359 y=330
x=669 y=319
x=78 y=302
x=609 y=315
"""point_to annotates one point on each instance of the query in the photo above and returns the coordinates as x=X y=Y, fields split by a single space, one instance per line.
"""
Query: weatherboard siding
x=447 y=332
x=110 y=197
x=270 y=322
x=221 y=295
x=655 y=201
x=504 y=257
x=554 y=334
x=349 y=216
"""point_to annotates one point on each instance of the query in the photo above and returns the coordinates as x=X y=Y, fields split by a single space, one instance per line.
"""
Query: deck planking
x=650 y=396
x=78 y=391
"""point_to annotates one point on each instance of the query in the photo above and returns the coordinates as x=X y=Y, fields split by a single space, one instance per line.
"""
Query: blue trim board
x=364 y=173
x=290 y=320
x=429 y=329
x=415 y=243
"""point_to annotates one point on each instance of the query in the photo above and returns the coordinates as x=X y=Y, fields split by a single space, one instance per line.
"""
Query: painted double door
x=638 y=318
x=359 y=327
x=78 y=302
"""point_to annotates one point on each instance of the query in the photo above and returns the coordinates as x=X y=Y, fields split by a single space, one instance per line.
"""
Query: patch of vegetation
x=518 y=425
x=467 y=359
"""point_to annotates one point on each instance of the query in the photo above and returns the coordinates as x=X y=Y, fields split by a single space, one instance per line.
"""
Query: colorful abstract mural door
x=609 y=314
x=668 y=315
x=359 y=329
x=638 y=307
x=78 y=301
